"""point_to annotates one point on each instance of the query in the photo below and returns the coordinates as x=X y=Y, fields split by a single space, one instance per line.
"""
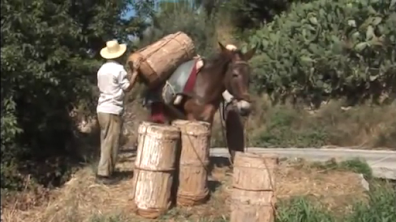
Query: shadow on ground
x=219 y=162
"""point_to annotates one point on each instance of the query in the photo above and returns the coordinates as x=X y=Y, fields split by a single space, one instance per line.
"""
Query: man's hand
x=132 y=80
x=134 y=67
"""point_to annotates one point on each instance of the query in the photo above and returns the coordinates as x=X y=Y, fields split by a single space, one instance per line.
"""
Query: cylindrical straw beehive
x=194 y=161
x=253 y=192
x=159 y=60
x=155 y=168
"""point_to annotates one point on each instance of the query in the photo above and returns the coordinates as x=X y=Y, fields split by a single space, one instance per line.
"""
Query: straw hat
x=113 y=50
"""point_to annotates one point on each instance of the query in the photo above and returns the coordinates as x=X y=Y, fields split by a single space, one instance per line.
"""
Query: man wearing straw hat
x=113 y=82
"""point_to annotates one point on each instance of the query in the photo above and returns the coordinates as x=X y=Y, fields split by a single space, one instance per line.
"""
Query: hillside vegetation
x=324 y=73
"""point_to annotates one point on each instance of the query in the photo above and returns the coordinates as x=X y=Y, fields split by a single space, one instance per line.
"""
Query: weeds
x=300 y=209
x=354 y=165
x=381 y=207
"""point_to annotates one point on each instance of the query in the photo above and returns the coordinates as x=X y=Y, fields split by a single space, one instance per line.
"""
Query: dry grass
x=335 y=190
x=82 y=200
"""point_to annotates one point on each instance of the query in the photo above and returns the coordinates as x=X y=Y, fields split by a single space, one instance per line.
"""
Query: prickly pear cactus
x=329 y=48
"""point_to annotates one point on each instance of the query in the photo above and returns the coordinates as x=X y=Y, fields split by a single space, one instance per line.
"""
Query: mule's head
x=237 y=76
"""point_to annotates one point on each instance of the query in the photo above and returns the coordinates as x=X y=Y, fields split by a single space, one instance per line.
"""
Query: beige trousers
x=110 y=130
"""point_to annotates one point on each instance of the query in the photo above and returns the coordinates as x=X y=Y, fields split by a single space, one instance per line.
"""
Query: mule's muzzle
x=244 y=107
x=242 y=104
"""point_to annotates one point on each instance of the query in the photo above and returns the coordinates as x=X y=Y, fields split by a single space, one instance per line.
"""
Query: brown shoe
x=105 y=180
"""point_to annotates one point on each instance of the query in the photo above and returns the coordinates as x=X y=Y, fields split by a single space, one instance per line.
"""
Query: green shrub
x=327 y=48
x=254 y=13
x=49 y=57
x=284 y=128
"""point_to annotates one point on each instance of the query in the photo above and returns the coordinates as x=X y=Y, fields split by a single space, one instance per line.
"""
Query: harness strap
x=191 y=79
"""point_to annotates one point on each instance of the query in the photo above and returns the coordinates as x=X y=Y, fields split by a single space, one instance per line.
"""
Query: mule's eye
x=235 y=75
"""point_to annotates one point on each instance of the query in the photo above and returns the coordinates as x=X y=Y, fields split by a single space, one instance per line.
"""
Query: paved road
x=382 y=162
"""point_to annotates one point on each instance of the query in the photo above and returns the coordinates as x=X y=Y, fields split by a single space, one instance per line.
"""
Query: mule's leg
x=190 y=116
x=173 y=113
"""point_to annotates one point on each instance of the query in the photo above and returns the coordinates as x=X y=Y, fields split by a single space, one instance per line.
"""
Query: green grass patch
x=354 y=165
x=380 y=207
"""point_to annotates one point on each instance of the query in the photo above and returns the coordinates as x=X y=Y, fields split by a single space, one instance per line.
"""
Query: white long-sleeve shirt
x=112 y=82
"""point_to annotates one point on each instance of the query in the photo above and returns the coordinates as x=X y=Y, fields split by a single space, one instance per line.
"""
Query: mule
x=200 y=91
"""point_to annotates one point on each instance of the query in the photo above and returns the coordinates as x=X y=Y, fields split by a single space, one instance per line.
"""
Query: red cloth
x=157 y=112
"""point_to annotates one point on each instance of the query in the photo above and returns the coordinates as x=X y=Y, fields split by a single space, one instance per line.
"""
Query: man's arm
x=127 y=84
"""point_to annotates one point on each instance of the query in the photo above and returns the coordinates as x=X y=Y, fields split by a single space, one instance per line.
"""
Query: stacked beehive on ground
x=194 y=161
x=155 y=168
x=171 y=163
x=172 y=166
x=253 y=196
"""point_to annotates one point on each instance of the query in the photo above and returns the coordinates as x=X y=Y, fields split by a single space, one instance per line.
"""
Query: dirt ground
x=82 y=200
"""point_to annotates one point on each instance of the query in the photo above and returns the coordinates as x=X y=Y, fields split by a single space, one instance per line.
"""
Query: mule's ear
x=222 y=47
x=225 y=51
x=249 y=54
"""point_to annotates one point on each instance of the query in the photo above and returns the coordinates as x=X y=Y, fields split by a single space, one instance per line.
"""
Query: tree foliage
x=252 y=14
x=49 y=57
x=182 y=16
x=326 y=49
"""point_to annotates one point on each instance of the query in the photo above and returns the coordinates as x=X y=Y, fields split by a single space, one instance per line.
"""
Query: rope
x=150 y=213
x=191 y=200
x=165 y=87
x=160 y=46
x=169 y=170
x=273 y=206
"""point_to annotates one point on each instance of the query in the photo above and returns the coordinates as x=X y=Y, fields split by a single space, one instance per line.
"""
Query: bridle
x=232 y=99
x=236 y=64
